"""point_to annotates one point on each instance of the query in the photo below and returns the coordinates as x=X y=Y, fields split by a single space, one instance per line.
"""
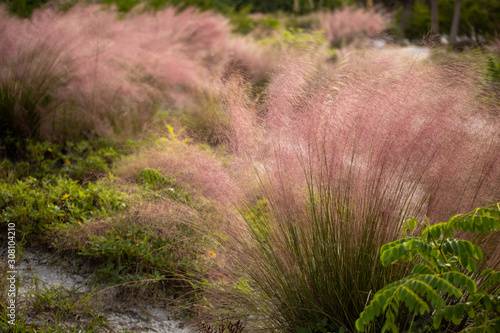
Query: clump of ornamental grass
x=353 y=149
x=344 y=25
x=195 y=168
x=87 y=73
x=30 y=78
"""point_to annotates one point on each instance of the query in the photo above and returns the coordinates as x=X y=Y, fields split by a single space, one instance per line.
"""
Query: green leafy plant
x=35 y=204
x=154 y=180
x=130 y=254
x=81 y=160
x=441 y=278
x=153 y=177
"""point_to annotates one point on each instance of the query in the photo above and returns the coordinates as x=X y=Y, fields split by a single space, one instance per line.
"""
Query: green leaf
x=300 y=329
x=458 y=311
x=422 y=269
x=438 y=317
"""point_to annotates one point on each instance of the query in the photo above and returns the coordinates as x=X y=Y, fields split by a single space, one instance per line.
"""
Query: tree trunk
x=405 y=15
x=296 y=6
x=311 y=5
x=435 y=17
x=456 y=21
x=369 y=4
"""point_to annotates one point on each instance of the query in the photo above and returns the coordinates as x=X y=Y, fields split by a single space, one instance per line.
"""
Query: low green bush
x=441 y=283
x=78 y=160
x=34 y=204
x=130 y=254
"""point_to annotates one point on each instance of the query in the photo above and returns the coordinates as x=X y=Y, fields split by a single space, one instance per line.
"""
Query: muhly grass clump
x=352 y=150
x=344 y=25
x=86 y=72
x=195 y=168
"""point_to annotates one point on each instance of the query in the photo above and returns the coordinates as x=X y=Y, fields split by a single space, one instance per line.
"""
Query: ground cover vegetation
x=250 y=167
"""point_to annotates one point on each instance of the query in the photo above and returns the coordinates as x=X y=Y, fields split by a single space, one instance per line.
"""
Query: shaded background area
x=413 y=17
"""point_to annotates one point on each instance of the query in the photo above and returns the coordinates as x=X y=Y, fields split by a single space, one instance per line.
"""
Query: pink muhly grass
x=353 y=149
x=122 y=70
x=197 y=170
x=344 y=25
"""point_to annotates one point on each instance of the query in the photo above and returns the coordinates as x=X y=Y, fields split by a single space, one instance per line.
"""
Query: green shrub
x=476 y=17
x=24 y=8
x=79 y=161
x=34 y=204
x=441 y=282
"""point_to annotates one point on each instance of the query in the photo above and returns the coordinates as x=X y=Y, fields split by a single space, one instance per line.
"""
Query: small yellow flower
x=67 y=163
x=132 y=250
x=212 y=254
x=49 y=149
x=80 y=222
x=64 y=197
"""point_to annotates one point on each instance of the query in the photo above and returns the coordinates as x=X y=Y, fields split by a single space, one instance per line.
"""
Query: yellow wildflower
x=212 y=254
x=49 y=149
x=67 y=163
x=64 y=197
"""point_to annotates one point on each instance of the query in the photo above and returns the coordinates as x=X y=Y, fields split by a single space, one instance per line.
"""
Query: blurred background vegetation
x=477 y=17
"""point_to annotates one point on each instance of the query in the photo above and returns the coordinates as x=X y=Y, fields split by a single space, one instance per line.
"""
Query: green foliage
x=440 y=271
x=123 y=5
x=35 y=204
x=476 y=17
x=153 y=177
x=154 y=180
x=298 y=39
x=244 y=24
x=80 y=161
x=129 y=253
x=494 y=69
x=231 y=6
x=24 y=8
x=258 y=220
